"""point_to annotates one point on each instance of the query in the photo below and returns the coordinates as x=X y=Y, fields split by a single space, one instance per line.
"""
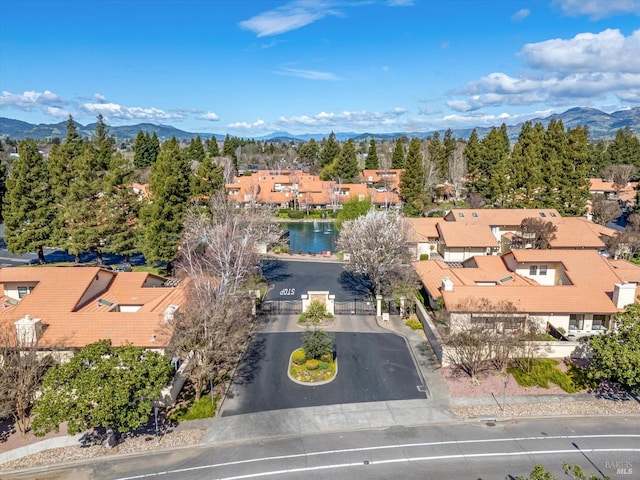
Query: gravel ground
x=139 y=443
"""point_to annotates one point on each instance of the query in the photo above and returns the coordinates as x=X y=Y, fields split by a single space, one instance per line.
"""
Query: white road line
x=388 y=447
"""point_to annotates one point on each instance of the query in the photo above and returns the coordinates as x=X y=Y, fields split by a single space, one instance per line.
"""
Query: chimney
x=447 y=285
x=624 y=294
x=28 y=331
x=170 y=312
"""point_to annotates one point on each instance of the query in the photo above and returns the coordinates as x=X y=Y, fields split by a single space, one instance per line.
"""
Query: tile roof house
x=575 y=290
x=612 y=191
x=69 y=307
x=464 y=233
x=282 y=188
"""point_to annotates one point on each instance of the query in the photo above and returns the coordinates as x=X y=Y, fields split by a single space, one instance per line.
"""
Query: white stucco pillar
x=379 y=305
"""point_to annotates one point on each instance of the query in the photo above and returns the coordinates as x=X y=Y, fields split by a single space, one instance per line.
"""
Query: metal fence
x=281 y=307
x=355 y=307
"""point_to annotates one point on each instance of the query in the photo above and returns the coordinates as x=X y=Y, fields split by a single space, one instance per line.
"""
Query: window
x=543 y=270
x=461 y=215
x=542 y=214
x=552 y=214
x=576 y=321
x=533 y=270
x=598 y=322
x=474 y=214
x=22 y=291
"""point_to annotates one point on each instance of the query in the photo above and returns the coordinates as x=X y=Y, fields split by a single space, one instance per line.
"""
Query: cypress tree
x=162 y=218
x=475 y=166
x=346 y=164
x=372 y=161
x=103 y=143
x=397 y=159
x=196 y=152
x=213 y=147
x=154 y=147
x=330 y=151
x=27 y=205
x=81 y=213
x=141 y=150
x=412 y=181
x=120 y=206
x=625 y=148
x=208 y=179
x=229 y=150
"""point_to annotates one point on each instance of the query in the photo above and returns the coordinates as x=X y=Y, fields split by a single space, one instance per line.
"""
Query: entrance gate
x=355 y=307
x=281 y=307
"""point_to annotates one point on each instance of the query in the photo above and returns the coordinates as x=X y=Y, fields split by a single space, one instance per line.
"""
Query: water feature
x=313 y=237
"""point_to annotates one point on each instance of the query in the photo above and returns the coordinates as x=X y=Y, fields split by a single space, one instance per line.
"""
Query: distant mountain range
x=601 y=126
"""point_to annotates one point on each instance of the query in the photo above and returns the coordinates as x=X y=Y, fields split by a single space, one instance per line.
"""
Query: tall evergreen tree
x=103 y=144
x=448 y=147
x=195 y=151
x=154 y=147
x=141 y=150
x=81 y=213
x=625 y=148
x=496 y=149
x=437 y=154
x=372 y=161
x=27 y=204
x=346 y=164
x=60 y=166
x=212 y=145
x=208 y=178
x=598 y=157
x=412 y=181
x=120 y=206
x=162 y=218
x=553 y=152
x=524 y=172
x=397 y=158
x=229 y=150
x=330 y=151
x=477 y=171
x=309 y=151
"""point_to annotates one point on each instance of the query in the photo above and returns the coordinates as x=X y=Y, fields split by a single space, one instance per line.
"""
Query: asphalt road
x=601 y=446
x=372 y=367
x=290 y=279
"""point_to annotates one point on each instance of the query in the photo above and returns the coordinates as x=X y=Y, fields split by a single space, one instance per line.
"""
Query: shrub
x=316 y=343
x=424 y=256
x=302 y=318
x=414 y=324
x=323 y=365
x=312 y=364
x=298 y=357
x=296 y=214
x=540 y=373
x=316 y=311
x=329 y=315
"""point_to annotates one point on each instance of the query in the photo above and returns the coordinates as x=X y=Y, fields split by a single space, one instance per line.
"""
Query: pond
x=314 y=237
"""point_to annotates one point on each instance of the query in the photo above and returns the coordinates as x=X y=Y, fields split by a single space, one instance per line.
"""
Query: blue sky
x=249 y=68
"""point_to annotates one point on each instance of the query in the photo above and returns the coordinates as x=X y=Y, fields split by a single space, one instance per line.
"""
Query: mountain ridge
x=601 y=125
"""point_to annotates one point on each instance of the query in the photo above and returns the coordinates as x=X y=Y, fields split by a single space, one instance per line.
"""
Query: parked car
x=124 y=267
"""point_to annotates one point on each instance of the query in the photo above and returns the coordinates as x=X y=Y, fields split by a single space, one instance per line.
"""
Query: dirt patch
x=492 y=382
x=11 y=439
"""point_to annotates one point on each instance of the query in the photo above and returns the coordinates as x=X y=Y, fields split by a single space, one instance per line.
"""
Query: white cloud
x=100 y=98
x=114 y=111
x=398 y=111
x=607 y=51
x=597 y=9
x=212 y=116
x=308 y=74
x=30 y=100
x=520 y=15
x=400 y=3
x=257 y=125
x=291 y=16
x=584 y=68
x=428 y=111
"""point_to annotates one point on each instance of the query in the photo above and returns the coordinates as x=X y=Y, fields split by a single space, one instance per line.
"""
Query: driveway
x=372 y=367
x=290 y=279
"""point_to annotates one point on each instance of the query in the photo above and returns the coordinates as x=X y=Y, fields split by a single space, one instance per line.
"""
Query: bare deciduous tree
x=377 y=243
x=619 y=174
x=604 y=211
x=334 y=187
x=537 y=233
x=457 y=171
x=21 y=370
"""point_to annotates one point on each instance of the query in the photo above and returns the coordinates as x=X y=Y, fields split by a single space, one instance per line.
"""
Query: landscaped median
x=312 y=371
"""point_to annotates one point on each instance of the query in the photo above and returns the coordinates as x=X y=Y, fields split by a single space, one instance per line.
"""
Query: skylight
x=542 y=214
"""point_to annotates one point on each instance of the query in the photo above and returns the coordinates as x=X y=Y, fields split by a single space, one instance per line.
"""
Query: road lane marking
x=389 y=447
